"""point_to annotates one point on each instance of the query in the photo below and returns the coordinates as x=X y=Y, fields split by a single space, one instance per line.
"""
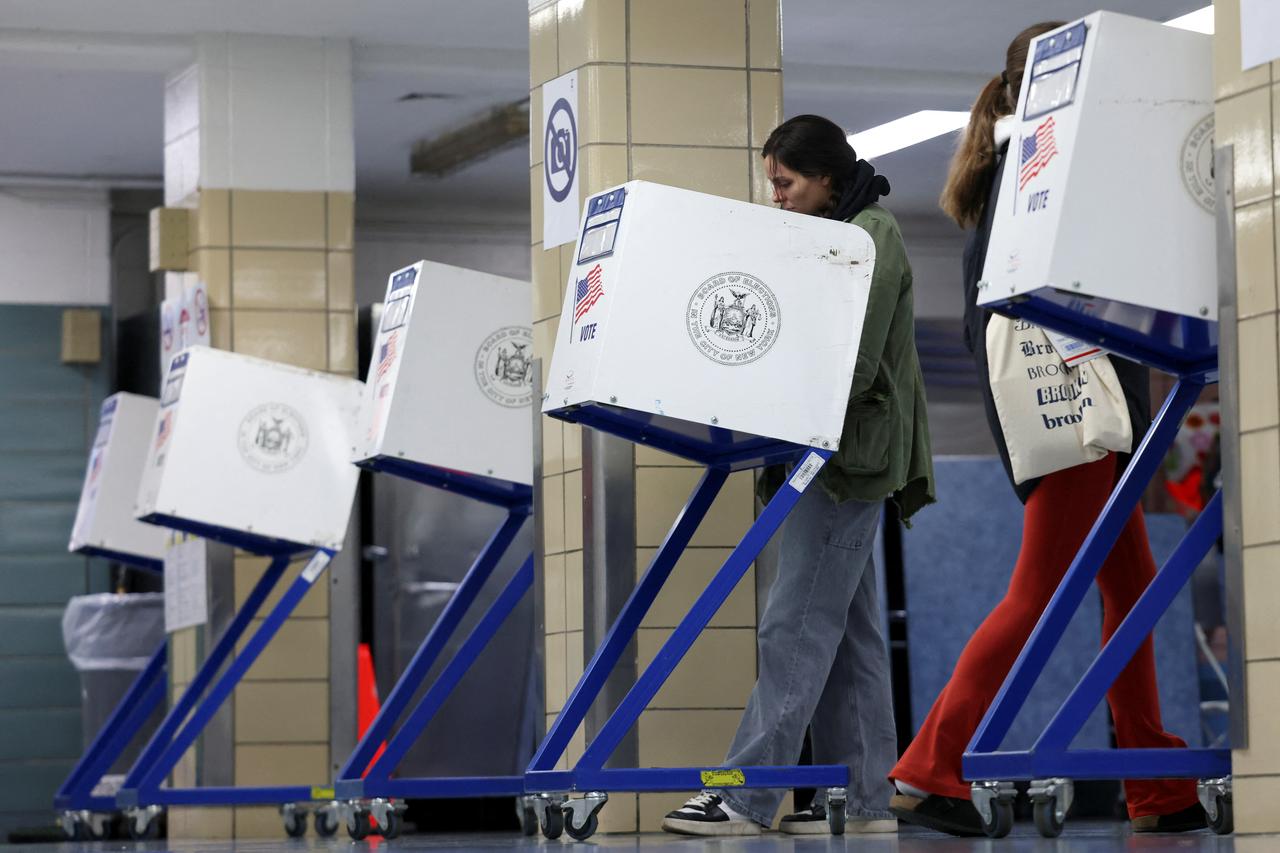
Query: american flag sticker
x=387 y=355
x=587 y=293
x=1037 y=151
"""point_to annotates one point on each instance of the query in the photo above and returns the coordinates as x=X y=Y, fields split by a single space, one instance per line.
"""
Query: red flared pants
x=1058 y=516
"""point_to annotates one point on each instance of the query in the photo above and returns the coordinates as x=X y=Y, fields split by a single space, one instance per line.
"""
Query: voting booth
x=1104 y=224
x=104 y=524
x=448 y=405
x=726 y=333
x=105 y=527
x=1104 y=231
x=253 y=454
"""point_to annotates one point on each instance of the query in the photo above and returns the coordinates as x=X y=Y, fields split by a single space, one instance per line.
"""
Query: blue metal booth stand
x=365 y=782
x=142 y=796
x=1186 y=348
x=722 y=452
x=85 y=815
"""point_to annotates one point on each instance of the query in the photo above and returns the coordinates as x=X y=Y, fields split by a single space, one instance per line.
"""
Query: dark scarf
x=863 y=189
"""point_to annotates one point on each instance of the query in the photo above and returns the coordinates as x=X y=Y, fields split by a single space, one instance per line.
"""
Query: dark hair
x=969 y=178
x=814 y=147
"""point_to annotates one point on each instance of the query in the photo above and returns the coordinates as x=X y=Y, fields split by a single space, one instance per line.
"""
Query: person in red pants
x=1060 y=509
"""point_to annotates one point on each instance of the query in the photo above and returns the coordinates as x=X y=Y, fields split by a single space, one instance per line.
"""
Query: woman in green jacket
x=823 y=664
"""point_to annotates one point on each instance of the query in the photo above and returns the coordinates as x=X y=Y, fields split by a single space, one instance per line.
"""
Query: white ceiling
x=81 y=80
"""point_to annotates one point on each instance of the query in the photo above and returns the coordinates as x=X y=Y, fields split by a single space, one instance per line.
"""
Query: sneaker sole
x=807 y=827
x=710 y=827
x=871 y=827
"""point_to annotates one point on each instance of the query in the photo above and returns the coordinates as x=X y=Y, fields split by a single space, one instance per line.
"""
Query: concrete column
x=259 y=148
x=681 y=92
x=1244 y=118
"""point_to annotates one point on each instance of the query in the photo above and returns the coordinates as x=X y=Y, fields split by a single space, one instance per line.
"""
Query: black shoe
x=1188 y=820
x=941 y=814
x=810 y=821
x=706 y=814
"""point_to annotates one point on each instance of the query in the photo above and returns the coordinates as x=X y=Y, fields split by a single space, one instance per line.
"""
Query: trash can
x=110 y=638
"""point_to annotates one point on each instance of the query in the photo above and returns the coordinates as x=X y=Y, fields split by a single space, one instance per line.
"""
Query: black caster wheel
x=1047 y=821
x=553 y=822
x=836 y=816
x=326 y=823
x=77 y=831
x=1224 y=822
x=393 y=825
x=358 y=824
x=1001 y=823
x=295 y=822
x=528 y=820
x=581 y=833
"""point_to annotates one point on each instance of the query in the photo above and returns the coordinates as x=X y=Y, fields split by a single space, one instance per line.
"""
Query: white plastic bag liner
x=1053 y=416
x=109 y=631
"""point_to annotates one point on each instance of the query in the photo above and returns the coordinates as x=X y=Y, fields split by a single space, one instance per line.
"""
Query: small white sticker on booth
x=806 y=471
x=1074 y=353
x=317 y=565
x=560 y=209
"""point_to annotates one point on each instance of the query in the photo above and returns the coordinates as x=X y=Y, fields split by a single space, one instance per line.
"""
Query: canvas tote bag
x=1053 y=416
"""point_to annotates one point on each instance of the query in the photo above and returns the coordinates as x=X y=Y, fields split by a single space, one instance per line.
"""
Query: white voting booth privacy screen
x=1108 y=186
x=254 y=447
x=451 y=378
x=104 y=519
x=713 y=311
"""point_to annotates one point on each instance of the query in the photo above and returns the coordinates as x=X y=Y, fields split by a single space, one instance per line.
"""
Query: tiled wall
x=681 y=92
x=1245 y=116
x=48 y=414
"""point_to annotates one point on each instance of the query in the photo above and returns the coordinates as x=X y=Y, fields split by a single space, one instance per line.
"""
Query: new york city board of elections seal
x=1195 y=161
x=504 y=366
x=733 y=318
x=272 y=438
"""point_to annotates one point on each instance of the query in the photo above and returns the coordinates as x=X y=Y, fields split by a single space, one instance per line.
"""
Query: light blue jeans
x=823 y=663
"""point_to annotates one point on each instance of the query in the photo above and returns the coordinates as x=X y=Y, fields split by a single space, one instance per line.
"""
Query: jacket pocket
x=864 y=448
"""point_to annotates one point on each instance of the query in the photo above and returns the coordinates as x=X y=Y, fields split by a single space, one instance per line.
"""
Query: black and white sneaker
x=810 y=821
x=707 y=814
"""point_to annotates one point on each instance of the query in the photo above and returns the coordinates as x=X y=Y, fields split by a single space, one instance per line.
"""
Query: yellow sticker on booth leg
x=723 y=778
x=318 y=793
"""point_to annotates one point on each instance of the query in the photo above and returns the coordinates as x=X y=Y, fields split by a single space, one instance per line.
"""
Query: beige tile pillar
x=259 y=145
x=1246 y=101
x=680 y=92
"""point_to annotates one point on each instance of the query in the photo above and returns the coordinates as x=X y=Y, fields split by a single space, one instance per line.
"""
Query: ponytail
x=964 y=196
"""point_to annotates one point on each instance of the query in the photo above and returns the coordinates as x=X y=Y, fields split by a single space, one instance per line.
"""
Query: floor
x=1079 y=837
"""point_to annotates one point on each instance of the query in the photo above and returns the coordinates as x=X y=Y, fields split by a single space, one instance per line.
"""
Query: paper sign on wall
x=560 y=161
x=184 y=322
x=186 y=600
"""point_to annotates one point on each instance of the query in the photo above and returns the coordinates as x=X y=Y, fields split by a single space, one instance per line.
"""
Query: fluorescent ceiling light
x=906 y=131
x=1199 y=21
x=928 y=124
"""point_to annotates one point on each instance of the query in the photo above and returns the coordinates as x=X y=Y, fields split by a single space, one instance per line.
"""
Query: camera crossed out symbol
x=560 y=151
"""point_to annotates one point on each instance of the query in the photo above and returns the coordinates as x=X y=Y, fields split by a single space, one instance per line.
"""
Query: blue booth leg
x=628 y=622
x=144 y=696
x=432 y=647
x=1084 y=568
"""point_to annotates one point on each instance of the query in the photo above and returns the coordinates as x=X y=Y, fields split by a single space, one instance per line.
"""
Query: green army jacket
x=884 y=444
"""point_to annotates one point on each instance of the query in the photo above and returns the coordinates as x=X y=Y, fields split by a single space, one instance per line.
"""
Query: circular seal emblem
x=272 y=438
x=1196 y=163
x=560 y=150
x=733 y=318
x=504 y=366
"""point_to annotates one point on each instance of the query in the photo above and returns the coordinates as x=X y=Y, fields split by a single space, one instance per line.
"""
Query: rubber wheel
x=358 y=825
x=107 y=826
x=581 y=833
x=295 y=824
x=326 y=823
x=1047 y=819
x=1002 y=820
x=150 y=832
x=79 y=831
x=394 y=825
x=1225 y=822
x=529 y=820
x=835 y=819
x=553 y=823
